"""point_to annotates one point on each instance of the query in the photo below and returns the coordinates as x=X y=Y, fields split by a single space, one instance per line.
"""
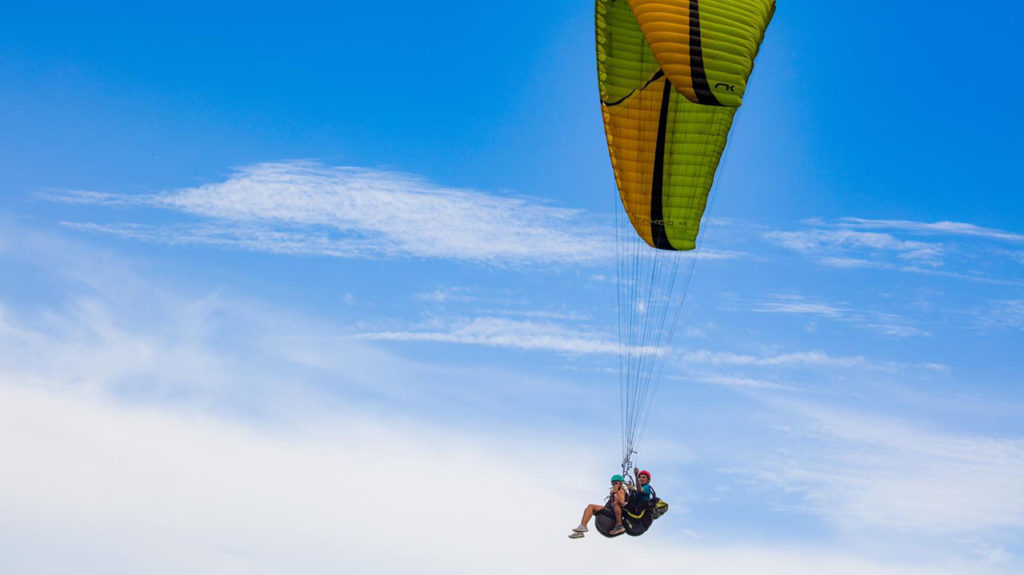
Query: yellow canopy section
x=705 y=47
x=671 y=74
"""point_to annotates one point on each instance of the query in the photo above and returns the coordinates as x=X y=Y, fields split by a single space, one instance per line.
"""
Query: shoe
x=618 y=529
x=575 y=535
x=580 y=529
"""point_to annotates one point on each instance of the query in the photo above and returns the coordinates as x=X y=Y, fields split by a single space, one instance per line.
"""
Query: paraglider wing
x=671 y=75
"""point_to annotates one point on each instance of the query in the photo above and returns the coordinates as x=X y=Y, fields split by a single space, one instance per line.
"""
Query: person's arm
x=621 y=495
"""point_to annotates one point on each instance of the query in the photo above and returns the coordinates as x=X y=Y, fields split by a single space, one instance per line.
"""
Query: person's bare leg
x=589 y=512
x=618 y=513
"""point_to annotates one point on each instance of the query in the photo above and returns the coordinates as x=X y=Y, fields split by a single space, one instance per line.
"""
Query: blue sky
x=263 y=265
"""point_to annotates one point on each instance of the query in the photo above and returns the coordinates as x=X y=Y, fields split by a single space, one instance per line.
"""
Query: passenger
x=616 y=501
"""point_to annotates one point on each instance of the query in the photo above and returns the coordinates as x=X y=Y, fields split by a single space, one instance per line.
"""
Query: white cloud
x=733 y=381
x=510 y=333
x=87 y=197
x=797 y=359
x=935 y=228
x=861 y=471
x=795 y=305
x=991 y=553
x=886 y=323
x=101 y=484
x=120 y=420
x=306 y=208
x=713 y=254
x=831 y=245
x=850 y=263
x=119 y=330
x=1003 y=314
x=104 y=487
x=858 y=243
x=493 y=301
x=450 y=294
x=234 y=236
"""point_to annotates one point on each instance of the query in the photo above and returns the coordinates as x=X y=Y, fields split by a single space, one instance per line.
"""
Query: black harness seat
x=637 y=516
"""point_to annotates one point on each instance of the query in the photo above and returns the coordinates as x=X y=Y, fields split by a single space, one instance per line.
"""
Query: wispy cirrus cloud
x=236 y=236
x=864 y=470
x=935 y=228
x=802 y=359
x=508 y=333
x=1002 y=314
x=834 y=245
x=308 y=208
x=886 y=323
x=450 y=294
x=899 y=245
x=498 y=303
x=745 y=382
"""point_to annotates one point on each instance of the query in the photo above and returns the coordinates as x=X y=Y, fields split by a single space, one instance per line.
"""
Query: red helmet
x=647 y=473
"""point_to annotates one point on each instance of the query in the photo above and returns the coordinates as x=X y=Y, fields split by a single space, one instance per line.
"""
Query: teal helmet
x=618 y=478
